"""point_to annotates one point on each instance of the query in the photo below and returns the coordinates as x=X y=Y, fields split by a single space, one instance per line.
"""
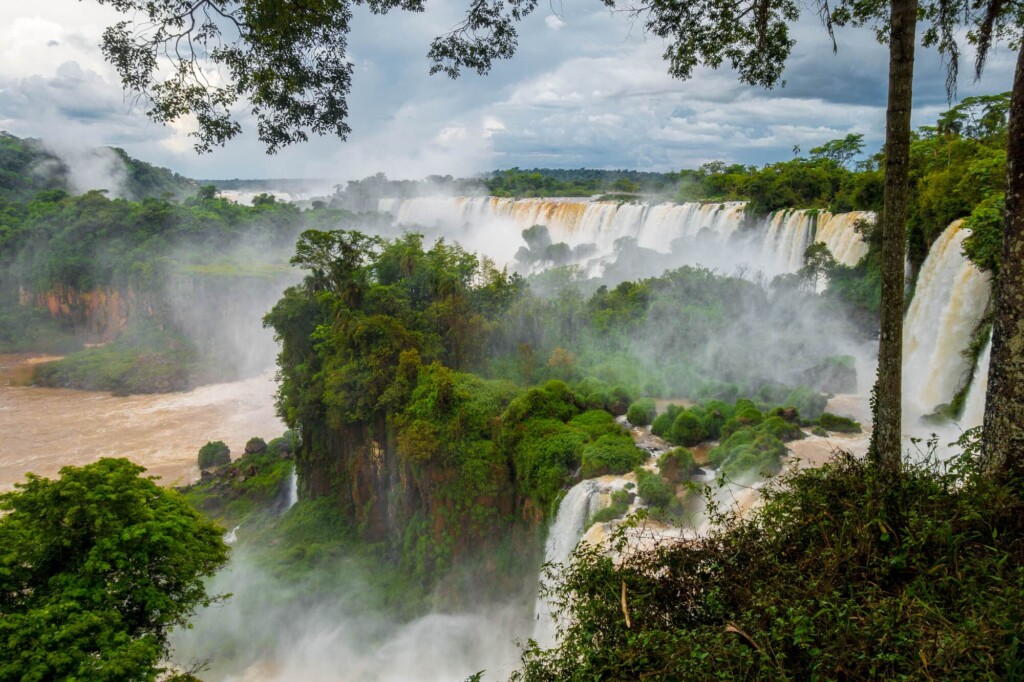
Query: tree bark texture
x=1004 y=402
x=886 y=442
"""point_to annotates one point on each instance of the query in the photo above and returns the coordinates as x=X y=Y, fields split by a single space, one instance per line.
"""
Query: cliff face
x=97 y=315
x=418 y=508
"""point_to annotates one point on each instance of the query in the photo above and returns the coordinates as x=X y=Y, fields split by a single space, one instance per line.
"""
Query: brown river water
x=44 y=429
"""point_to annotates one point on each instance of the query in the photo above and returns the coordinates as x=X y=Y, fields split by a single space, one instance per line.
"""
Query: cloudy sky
x=585 y=89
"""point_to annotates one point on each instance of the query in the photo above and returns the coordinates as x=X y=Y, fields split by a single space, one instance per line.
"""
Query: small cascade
x=231 y=537
x=974 y=406
x=838 y=233
x=578 y=505
x=788 y=235
x=293 y=490
x=950 y=298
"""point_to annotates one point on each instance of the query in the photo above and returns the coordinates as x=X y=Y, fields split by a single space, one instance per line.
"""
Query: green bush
x=655 y=490
x=283 y=443
x=687 y=430
x=676 y=465
x=662 y=424
x=214 y=454
x=596 y=423
x=255 y=446
x=621 y=499
x=611 y=455
x=831 y=422
x=641 y=412
x=781 y=429
x=809 y=402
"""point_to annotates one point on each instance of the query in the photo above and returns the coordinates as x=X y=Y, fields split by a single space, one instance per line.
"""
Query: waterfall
x=836 y=231
x=231 y=536
x=293 y=490
x=788 y=235
x=493 y=225
x=949 y=300
x=577 y=506
x=974 y=407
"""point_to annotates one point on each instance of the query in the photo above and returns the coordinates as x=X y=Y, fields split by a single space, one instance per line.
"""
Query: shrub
x=676 y=465
x=619 y=401
x=662 y=424
x=611 y=455
x=641 y=413
x=687 y=430
x=809 y=402
x=761 y=456
x=621 y=499
x=596 y=423
x=832 y=422
x=284 y=443
x=713 y=422
x=655 y=490
x=255 y=446
x=214 y=454
x=781 y=429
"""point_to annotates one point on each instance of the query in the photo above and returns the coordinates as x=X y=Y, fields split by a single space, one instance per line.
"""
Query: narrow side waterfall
x=564 y=534
x=974 y=407
x=293 y=490
x=949 y=300
x=837 y=232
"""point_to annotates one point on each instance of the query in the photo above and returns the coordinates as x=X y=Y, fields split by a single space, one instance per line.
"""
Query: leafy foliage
x=775 y=595
x=214 y=454
x=96 y=568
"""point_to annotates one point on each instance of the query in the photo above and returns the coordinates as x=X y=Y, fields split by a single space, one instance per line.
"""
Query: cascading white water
x=493 y=225
x=949 y=300
x=564 y=534
x=974 y=406
x=837 y=232
x=293 y=490
x=788 y=236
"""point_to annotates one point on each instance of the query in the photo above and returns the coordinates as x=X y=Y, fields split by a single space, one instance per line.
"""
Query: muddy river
x=44 y=429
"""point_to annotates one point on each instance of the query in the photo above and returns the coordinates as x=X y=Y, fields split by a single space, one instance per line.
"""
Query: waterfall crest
x=949 y=301
x=493 y=226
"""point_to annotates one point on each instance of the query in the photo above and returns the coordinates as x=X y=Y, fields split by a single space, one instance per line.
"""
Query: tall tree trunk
x=886 y=443
x=1004 y=402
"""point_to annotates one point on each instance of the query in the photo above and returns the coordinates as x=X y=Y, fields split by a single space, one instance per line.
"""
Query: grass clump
x=819 y=583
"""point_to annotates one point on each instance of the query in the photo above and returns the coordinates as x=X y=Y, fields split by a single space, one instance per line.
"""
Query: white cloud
x=599 y=95
x=553 y=22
